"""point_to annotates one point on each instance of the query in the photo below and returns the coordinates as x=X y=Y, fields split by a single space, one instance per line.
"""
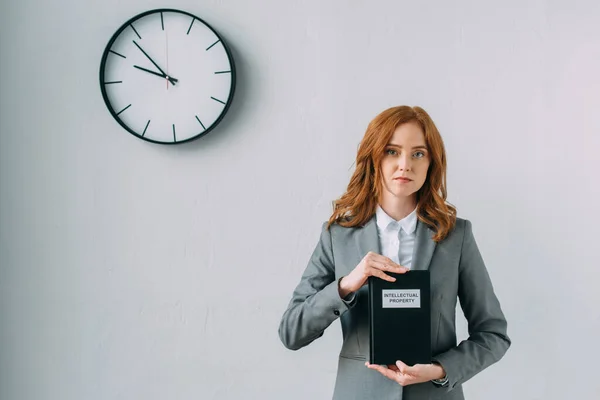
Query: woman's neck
x=398 y=208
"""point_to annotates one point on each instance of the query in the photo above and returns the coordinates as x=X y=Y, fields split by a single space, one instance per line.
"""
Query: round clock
x=167 y=77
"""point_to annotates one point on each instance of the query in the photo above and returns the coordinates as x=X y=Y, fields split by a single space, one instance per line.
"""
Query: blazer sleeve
x=488 y=340
x=315 y=302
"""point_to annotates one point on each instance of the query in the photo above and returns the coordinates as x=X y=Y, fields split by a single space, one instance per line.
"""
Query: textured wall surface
x=130 y=270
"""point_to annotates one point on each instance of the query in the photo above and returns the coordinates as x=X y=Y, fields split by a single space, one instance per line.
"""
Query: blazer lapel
x=424 y=247
x=367 y=238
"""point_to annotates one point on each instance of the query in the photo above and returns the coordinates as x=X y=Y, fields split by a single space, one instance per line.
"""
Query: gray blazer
x=457 y=271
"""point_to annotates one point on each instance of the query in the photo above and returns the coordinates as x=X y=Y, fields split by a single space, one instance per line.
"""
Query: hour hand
x=170 y=78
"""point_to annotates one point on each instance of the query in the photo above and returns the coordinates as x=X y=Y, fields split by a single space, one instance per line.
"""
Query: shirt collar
x=408 y=223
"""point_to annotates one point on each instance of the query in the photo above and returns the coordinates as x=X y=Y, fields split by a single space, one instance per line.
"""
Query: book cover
x=400 y=319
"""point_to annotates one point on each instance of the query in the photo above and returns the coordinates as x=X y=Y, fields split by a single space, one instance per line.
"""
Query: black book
x=400 y=319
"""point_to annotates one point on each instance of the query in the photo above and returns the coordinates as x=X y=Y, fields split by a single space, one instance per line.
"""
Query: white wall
x=130 y=270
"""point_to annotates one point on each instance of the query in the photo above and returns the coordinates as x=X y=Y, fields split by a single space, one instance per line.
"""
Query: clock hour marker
x=124 y=109
x=174 y=137
x=138 y=35
x=203 y=127
x=217 y=100
x=120 y=55
x=143 y=133
x=222 y=72
x=110 y=83
x=162 y=23
x=209 y=47
x=190 y=28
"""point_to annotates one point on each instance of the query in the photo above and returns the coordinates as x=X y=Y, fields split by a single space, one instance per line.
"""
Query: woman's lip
x=403 y=179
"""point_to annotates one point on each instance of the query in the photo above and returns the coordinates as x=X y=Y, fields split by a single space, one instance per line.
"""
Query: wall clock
x=167 y=77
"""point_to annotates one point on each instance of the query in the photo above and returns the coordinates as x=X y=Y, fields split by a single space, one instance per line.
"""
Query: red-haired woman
x=394 y=217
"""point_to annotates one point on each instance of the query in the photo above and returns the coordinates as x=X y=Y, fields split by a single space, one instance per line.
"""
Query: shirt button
x=336 y=312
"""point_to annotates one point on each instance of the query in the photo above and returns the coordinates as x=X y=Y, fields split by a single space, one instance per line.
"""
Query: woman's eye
x=391 y=152
x=419 y=154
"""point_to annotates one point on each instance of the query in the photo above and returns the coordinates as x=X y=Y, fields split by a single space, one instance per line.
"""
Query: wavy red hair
x=358 y=204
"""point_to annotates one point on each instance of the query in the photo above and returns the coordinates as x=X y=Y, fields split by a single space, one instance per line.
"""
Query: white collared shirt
x=397 y=238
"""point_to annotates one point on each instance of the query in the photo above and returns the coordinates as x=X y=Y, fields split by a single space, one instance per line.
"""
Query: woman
x=392 y=218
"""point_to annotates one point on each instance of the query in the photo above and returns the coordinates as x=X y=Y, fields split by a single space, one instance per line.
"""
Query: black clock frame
x=103 y=66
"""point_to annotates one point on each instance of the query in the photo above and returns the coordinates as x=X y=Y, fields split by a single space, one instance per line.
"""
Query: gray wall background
x=130 y=270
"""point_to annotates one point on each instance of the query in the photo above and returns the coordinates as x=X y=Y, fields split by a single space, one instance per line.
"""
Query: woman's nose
x=404 y=163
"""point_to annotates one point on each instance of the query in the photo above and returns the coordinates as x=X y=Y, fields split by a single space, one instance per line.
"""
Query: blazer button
x=336 y=312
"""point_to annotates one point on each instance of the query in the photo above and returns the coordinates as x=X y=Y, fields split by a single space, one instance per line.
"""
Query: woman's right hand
x=372 y=264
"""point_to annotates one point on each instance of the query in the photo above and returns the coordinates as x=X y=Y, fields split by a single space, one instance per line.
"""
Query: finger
x=377 y=367
x=383 y=371
x=404 y=369
x=401 y=366
x=393 y=368
x=381 y=274
x=385 y=264
x=386 y=260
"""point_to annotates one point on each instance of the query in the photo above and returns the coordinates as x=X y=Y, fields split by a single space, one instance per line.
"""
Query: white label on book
x=401 y=298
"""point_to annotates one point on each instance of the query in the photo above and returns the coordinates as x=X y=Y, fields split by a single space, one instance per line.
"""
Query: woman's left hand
x=405 y=375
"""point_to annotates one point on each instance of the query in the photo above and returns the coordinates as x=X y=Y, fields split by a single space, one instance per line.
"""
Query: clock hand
x=155 y=64
x=167 y=52
x=170 y=78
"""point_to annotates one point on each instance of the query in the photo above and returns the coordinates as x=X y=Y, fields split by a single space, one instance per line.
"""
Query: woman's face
x=405 y=161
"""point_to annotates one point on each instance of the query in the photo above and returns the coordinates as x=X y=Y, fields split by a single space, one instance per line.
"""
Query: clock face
x=167 y=77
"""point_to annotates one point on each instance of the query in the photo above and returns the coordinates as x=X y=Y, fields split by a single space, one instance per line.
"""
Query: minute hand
x=151 y=60
x=170 y=78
